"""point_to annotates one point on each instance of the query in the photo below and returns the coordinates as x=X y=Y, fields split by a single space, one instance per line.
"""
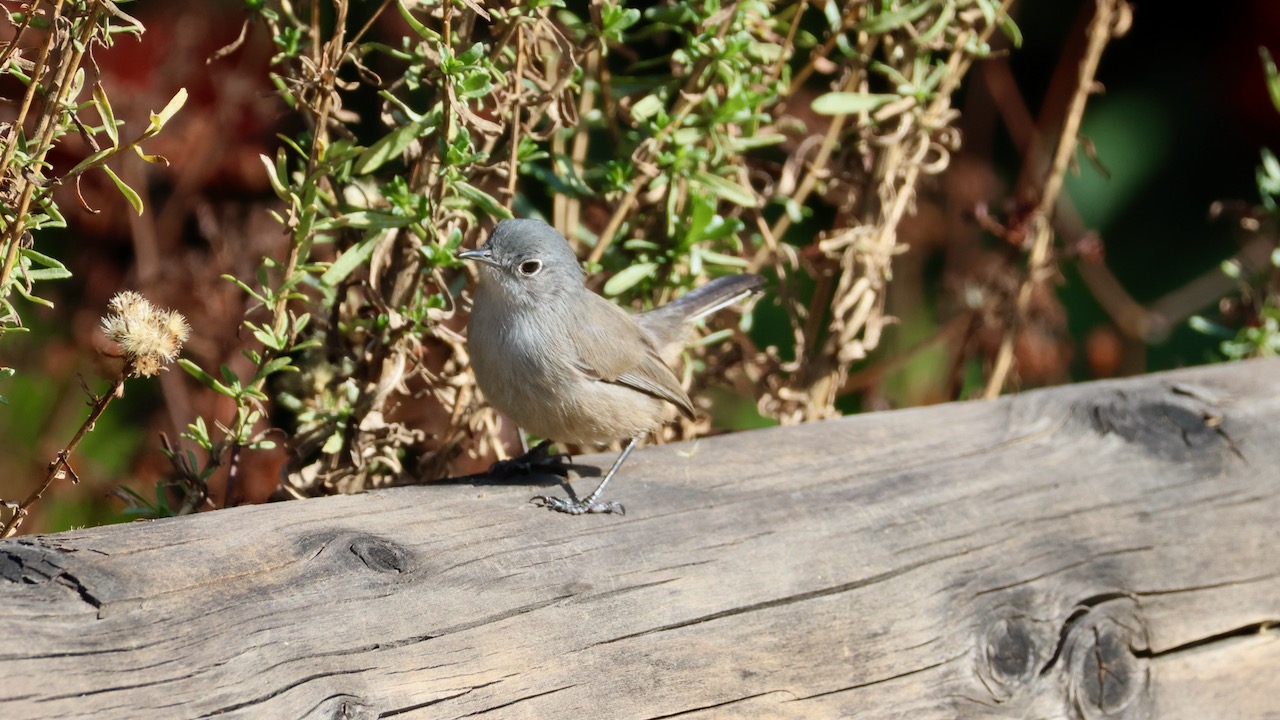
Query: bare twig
x=1109 y=22
x=59 y=467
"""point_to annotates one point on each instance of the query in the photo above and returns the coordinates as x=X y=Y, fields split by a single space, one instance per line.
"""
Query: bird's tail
x=701 y=302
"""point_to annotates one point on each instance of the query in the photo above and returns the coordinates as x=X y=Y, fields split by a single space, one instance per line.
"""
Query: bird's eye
x=529 y=268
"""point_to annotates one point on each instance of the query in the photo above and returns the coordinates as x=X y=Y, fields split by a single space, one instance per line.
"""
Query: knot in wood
x=1106 y=677
x=379 y=555
x=1172 y=423
x=1011 y=650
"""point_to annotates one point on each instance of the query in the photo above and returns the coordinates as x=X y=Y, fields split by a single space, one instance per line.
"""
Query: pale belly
x=535 y=383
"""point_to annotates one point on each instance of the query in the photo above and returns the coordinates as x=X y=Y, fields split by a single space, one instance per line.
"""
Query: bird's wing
x=606 y=340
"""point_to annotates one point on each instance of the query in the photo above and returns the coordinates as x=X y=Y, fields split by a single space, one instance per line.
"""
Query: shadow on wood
x=1099 y=551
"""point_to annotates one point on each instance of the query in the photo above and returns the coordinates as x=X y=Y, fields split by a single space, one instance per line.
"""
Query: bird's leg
x=591 y=504
x=538 y=459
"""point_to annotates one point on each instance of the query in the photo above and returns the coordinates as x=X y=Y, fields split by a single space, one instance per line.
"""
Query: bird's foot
x=578 y=507
x=538 y=459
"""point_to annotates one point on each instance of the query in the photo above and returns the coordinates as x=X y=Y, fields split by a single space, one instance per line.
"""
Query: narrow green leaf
x=277 y=180
x=30 y=298
x=739 y=144
x=153 y=159
x=47 y=274
x=726 y=189
x=627 y=279
x=716 y=258
x=175 y=104
x=348 y=261
x=205 y=378
x=43 y=260
x=269 y=339
x=365 y=220
x=389 y=146
x=421 y=30
x=481 y=199
x=846 y=103
x=649 y=106
x=884 y=22
x=1273 y=76
x=941 y=23
x=134 y=199
x=103 y=105
x=1011 y=31
x=90 y=161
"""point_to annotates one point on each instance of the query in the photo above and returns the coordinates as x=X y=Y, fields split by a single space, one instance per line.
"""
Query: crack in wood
x=713 y=706
x=1256 y=628
x=1208 y=586
x=36 y=568
x=1082 y=609
x=883 y=680
x=410 y=708
x=336 y=696
x=118 y=688
x=779 y=602
x=276 y=693
x=517 y=700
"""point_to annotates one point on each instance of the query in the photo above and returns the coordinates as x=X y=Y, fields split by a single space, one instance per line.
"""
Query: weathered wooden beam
x=1100 y=551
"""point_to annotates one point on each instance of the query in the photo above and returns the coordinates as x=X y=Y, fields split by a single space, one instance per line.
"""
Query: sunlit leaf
x=628 y=278
x=481 y=199
x=726 y=189
x=847 y=103
x=348 y=261
x=129 y=194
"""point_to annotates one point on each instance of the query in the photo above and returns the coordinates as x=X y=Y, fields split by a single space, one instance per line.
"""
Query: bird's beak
x=483 y=254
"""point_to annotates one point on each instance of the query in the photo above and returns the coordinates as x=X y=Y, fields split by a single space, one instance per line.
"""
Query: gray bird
x=567 y=365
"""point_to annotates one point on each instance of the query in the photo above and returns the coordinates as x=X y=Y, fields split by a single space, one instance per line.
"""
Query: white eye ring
x=529 y=268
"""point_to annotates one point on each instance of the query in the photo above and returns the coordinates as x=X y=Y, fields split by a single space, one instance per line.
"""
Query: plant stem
x=60 y=462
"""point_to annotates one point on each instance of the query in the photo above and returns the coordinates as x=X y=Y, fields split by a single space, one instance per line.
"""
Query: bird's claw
x=578 y=507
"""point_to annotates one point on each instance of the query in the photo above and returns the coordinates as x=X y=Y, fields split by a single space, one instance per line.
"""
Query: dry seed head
x=149 y=337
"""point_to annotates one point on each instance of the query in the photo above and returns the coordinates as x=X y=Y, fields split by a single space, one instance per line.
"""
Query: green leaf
x=887 y=21
x=125 y=190
x=277 y=174
x=421 y=30
x=472 y=54
x=153 y=159
x=726 y=189
x=365 y=220
x=276 y=365
x=1011 y=31
x=268 y=338
x=103 y=105
x=941 y=23
x=739 y=144
x=847 y=103
x=43 y=260
x=481 y=199
x=1273 y=76
x=649 y=106
x=390 y=146
x=205 y=378
x=627 y=279
x=30 y=298
x=475 y=86
x=47 y=274
x=88 y=162
x=352 y=258
x=716 y=258
x=175 y=104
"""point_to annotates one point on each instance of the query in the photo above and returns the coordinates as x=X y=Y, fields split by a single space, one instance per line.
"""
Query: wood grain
x=1106 y=550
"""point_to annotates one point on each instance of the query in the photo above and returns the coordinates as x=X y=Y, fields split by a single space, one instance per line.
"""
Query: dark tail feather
x=701 y=302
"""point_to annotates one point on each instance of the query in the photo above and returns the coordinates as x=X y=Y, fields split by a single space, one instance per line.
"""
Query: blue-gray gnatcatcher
x=567 y=365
